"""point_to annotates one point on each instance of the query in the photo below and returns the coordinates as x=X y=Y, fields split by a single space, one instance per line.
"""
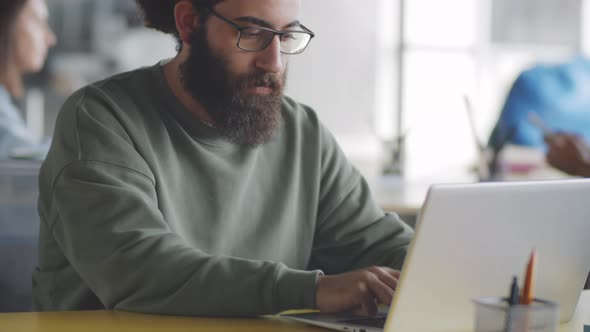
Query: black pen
x=513 y=299
x=514 y=292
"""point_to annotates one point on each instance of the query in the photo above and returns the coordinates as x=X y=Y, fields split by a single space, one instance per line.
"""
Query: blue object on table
x=558 y=94
x=586 y=328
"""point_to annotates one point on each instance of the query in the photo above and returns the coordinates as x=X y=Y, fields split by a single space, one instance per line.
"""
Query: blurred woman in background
x=25 y=38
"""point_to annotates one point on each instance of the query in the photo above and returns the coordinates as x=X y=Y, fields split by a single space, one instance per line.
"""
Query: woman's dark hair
x=9 y=11
x=159 y=14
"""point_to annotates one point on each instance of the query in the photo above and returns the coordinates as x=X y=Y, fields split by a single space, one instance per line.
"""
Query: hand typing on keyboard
x=359 y=291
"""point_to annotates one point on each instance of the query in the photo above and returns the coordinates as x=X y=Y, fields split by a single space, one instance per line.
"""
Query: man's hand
x=568 y=153
x=359 y=291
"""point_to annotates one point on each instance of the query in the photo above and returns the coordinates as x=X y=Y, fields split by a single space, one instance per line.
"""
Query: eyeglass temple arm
x=307 y=30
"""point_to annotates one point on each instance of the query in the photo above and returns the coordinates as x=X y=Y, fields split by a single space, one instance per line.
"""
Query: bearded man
x=195 y=187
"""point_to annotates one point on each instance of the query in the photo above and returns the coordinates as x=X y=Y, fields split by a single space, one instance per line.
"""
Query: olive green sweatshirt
x=144 y=208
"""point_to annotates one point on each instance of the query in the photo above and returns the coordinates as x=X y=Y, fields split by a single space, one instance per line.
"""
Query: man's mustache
x=272 y=81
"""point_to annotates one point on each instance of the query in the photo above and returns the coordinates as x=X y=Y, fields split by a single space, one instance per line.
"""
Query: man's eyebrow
x=263 y=23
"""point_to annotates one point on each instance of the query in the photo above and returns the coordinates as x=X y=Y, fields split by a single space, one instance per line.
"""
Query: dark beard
x=242 y=118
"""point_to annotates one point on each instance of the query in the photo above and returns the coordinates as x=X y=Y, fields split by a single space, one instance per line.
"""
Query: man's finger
x=382 y=292
x=368 y=306
x=392 y=272
x=387 y=276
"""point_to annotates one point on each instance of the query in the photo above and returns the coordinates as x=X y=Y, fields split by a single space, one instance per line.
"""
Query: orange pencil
x=528 y=288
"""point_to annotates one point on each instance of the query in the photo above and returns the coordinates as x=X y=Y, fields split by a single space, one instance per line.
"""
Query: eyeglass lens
x=254 y=39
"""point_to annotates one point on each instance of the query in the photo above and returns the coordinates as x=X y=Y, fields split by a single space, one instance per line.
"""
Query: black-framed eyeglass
x=254 y=39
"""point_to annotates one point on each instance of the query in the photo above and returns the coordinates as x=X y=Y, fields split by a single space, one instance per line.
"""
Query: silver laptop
x=470 y=240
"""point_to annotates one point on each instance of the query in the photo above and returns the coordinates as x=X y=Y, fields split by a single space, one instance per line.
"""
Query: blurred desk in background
x=406 y=197
x=18 y=197
x=19 y=229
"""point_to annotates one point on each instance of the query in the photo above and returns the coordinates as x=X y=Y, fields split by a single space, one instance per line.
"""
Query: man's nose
x=270 y=59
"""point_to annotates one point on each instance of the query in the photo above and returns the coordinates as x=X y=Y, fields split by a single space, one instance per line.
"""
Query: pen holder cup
x=493 y=314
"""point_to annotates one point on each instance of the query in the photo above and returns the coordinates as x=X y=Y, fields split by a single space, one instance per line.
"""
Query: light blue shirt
x=15 y=138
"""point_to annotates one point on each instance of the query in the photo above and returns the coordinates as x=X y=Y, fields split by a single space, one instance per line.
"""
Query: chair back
x=19 y=231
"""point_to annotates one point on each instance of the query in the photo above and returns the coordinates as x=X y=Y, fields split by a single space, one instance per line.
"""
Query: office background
x=378 y=69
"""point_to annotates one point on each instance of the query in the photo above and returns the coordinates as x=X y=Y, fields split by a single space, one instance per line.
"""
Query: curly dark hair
x=159 y=14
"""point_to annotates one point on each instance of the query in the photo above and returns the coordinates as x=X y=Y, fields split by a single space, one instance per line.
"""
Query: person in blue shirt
x=557 y=95
x=25 y=38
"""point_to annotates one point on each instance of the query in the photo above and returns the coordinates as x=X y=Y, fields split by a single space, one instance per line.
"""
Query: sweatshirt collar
x=199 y=130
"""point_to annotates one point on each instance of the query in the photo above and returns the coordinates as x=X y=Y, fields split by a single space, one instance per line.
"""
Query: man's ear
x=187 y=19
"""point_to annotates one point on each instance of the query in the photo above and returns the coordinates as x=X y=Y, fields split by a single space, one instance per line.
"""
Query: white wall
x=336 y=74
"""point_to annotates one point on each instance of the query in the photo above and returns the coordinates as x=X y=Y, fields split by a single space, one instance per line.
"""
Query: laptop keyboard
x=372 y=322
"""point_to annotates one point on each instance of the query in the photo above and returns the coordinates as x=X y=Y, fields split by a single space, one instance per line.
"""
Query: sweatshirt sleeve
x=352 y=231
x=104 y=214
